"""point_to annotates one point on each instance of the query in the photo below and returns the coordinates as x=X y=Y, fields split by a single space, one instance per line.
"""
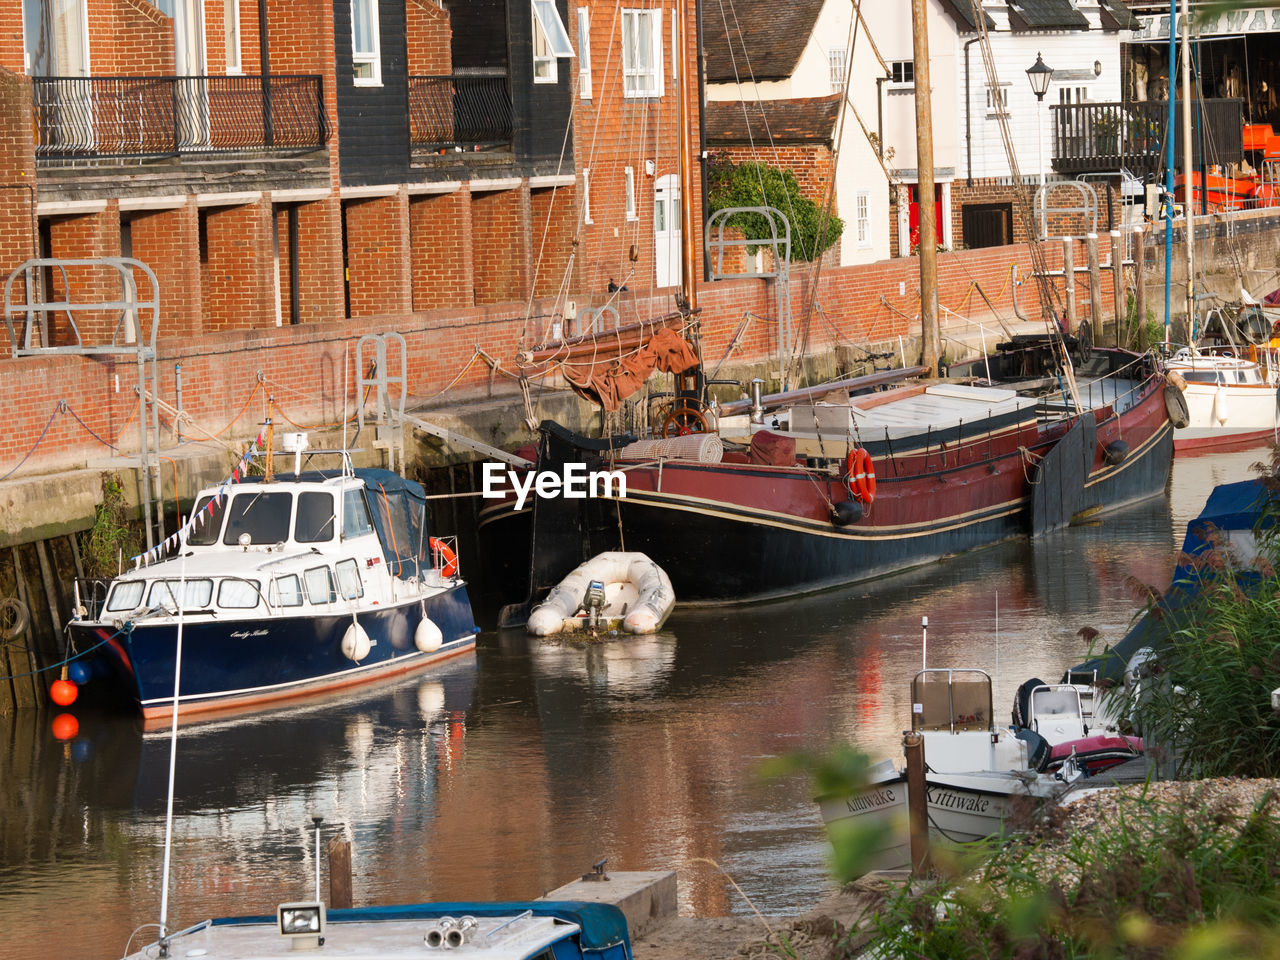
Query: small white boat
x=613 y=591
x=977 y=774
x=1230 y=400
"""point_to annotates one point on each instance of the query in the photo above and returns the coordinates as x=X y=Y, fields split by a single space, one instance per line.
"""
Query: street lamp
x=1040 y=73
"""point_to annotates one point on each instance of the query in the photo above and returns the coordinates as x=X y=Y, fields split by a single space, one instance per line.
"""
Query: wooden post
x=917 y=803
x=1117 y=283
x=339 y=853
x=1069 y=281
x=1140 y=276
x=1095 y=284
x=930 y=341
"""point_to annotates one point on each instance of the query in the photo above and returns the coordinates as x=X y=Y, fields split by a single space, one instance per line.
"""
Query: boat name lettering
x=574 y=482
x=870 y=801
x=248 y=634
x=958 y=801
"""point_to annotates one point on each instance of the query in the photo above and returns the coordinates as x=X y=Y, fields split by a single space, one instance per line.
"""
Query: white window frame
x=837 y=68
x=584 y=53
x=586 y=196
x=862 y=212
x=675 y=48
x=902 y=84
x=648 y=78
x=373 y=57
x=550 y=41
x=629 y=177
x=231 y=31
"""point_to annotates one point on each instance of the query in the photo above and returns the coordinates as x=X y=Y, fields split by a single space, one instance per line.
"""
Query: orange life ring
x=860 y=475
x=450 y=568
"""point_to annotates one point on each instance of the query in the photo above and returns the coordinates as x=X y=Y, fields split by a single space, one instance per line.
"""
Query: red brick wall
x=430 y=36
x=94 y=235
x=11 y=44
x=320 y=260
x=554 y=214
x=500 y=238
x=440 y=250
x=378 y=269
x=17 y=178
x=168 y=242
x=237 y=272
x=129 y=38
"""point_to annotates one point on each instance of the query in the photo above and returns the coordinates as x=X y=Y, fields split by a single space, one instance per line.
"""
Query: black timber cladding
x=539 y=111
x=373 y=122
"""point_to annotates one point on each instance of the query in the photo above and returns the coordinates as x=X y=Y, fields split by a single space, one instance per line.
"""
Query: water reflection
x=507 y=776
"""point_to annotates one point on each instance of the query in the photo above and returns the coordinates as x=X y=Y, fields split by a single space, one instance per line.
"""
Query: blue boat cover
x=604 y=927
x=1230 y=507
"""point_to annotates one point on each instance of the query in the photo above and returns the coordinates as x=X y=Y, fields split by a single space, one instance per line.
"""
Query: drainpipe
x=702 y=134
x=264 y=58
x=968 y=130
x=880 y=114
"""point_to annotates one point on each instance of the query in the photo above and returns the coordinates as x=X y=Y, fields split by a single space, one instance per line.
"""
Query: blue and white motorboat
x=484 y=931
x=278 y=587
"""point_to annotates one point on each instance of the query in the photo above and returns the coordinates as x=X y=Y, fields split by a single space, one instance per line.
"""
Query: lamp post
x=1040 y=73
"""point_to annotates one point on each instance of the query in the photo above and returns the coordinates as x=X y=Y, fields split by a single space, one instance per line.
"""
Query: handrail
x=459 y=111
x=97 y=117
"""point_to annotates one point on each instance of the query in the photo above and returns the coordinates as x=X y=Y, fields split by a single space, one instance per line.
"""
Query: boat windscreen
x=263 y=516
x=208 y=525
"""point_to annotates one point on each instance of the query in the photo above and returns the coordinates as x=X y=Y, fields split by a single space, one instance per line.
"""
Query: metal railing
x=122 y=117
x=459 y=111
x=1101 y=137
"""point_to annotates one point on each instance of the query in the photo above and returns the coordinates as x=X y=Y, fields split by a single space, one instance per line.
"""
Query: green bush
x=754 y=184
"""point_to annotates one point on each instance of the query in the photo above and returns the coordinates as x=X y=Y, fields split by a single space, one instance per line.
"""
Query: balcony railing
x=127 y=117
x=1104 y=137
x=459 y=111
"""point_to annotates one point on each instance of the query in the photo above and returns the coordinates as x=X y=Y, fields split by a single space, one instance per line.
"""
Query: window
x=319 y=582
x=263 y=516
x=837 y=64
x=238 y=594
x=864 y=218
x=285 y=591
x=902 y=71
x=642 y=53
x=355 y=515
x=550 y=40
x=232 y=30
x=207 y=529
x=997 y=101
x=586 y=197
x=195 y=594
x=366 y=61
x=126 y=595
x=675 y=48
x=315 y=518
x=630 y=175
x=584 y=53
x=349 y=585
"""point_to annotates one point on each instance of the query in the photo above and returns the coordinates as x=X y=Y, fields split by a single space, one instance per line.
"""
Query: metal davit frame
x=132 y=336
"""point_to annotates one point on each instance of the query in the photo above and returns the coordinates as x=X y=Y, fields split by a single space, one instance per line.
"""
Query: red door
x=914 y=213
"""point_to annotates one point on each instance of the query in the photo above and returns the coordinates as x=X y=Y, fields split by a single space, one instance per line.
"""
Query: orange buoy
x=63 y=693
x=450 y=568
x=65 y=726
x=860 y=475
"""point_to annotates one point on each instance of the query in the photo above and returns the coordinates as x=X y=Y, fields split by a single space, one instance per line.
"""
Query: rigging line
x=546 y=226
x=801 y=345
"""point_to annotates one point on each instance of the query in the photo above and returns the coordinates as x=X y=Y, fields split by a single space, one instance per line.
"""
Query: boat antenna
x=997 y=670
x=173 y=750
x=271 y=441
x=924 y=643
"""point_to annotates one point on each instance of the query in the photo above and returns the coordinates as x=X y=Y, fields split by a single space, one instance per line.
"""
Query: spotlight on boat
x=303 y=923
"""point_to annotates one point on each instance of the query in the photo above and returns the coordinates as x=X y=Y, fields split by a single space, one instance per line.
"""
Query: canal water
x=513 y=772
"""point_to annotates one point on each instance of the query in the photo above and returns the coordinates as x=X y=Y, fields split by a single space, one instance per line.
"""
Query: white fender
x=1220 y=411
x=355 y=643
x=427 y=637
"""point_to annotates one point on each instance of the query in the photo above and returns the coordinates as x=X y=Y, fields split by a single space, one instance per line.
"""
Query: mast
x=1168 y=171
x=688 y=285
x=925 y=192
x=1187 y=166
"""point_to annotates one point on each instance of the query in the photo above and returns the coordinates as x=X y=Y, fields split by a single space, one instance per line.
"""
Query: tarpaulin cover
x=772 y=449
x=608 y=383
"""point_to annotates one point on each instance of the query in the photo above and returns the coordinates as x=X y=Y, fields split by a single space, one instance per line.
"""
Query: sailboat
x=829 y=485
x=1231 y=398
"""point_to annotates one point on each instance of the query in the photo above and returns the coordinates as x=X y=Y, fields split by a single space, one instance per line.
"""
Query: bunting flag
x=198 y=519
